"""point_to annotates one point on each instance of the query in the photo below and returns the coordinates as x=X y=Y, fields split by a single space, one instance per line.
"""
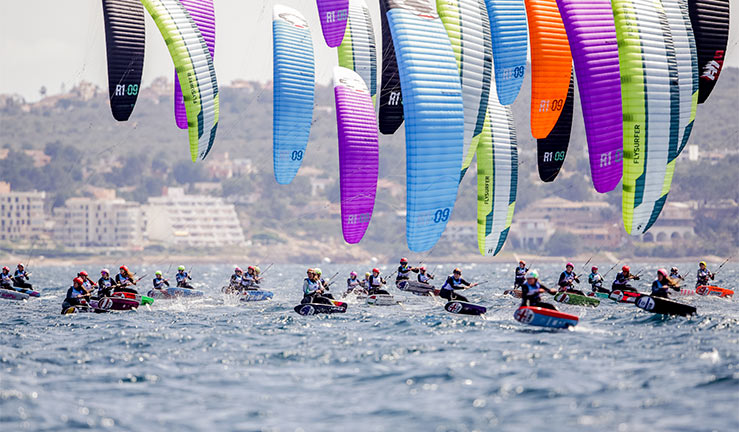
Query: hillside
x=140 y=156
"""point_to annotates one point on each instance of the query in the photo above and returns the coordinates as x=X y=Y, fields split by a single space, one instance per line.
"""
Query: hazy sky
x=50 y=42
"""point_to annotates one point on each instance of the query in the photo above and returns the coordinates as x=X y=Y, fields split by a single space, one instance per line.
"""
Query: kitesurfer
x=88 y=283
x=520 y=274
x=661 y=285
x=235 y=281
x=365 y=282
x=324 y=285
x=404 y=270
x=182 y=278
x=123 y=280
x=675 y=274
x=257 y=278
x=158 y=281
x=455 y=282
x=6 y=280
x=703 y=275
x=531 y=291
x=105 y=284
x=353 y=283
x=76 y=294
x=567 y=279
x=595 y=280
x=621 y=282
x=376 y=282
x=21 y=277
x=423 y=276
x=312 y=290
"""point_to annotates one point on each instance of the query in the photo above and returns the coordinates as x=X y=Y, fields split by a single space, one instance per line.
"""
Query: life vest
x=595 y=279
x=531 y=292
x=20 y=274
x=351 y=283
x=404 y=272
x=74 y=292
x=423 y=277
x=309 y=286
x=375 y=282
x=451 y=284
x=105 y=282
x=703 y=275
x=158 y=282
x=621 y=279
x=5 y=279
x=247 y=280
x=521 y=273
x=181 y=277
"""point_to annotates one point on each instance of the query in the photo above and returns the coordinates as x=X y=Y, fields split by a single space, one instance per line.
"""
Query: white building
x=99 y=223
x=176 y=219
x=21 y=214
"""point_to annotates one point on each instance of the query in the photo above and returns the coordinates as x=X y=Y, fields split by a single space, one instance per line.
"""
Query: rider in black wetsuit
x=105 y=284
x=376 y=282
x=661 y=285
x=455 y=282
x=21 y=277
x=312 y=290
x=622 y=280
x=124 y=280
x=532 y=289
x=423 y=276
x=520 y=274
x=404 y=270
x=596 y=281
x=567 y=278
x=76 y=295
x=6 y=280
x=703 y=275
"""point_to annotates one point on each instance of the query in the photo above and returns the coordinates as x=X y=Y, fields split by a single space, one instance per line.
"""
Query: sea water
x=217 y=364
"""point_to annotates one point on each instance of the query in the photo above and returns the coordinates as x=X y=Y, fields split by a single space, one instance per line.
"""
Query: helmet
x=594 y=269
x=532 y=274
x=625 y=268
x=423 y=268
x=368 y=274
x=700 y=263
x=376 y=270
x=20 y=265
x=353 y=273
x=674 y=270
x=124 y=268
x=522 y=262
x=157 y=273
x=457 y=270
x=82 y=273
x=317 y=271
x=404 y=260
x=569 y=264
x=310 y=271
x=663 y=272
x=180 y=268
x=238 y=270
x=6 y=269
x=257 y=270
x=105 y=271
x=78 y=281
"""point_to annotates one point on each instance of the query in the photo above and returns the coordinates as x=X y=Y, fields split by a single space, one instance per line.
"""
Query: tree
x=187 y=172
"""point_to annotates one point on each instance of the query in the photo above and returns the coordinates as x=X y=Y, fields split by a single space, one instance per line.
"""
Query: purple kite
x=592 y=35
x=358 y=152
x=204 y=15
x=334 y=15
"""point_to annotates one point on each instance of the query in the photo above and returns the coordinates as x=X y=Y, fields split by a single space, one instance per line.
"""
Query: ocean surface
x=216 y=364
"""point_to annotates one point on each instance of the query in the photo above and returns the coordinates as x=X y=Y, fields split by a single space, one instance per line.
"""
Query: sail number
x=442 y=215
x=515 y=72
x=297 y=155
x=557 y=156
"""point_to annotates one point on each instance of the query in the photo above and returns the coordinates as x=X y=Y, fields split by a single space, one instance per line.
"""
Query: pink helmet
x=353 y=273
x=663 y=272
x=105 y=271
x=238 y=270
x=569 y=264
